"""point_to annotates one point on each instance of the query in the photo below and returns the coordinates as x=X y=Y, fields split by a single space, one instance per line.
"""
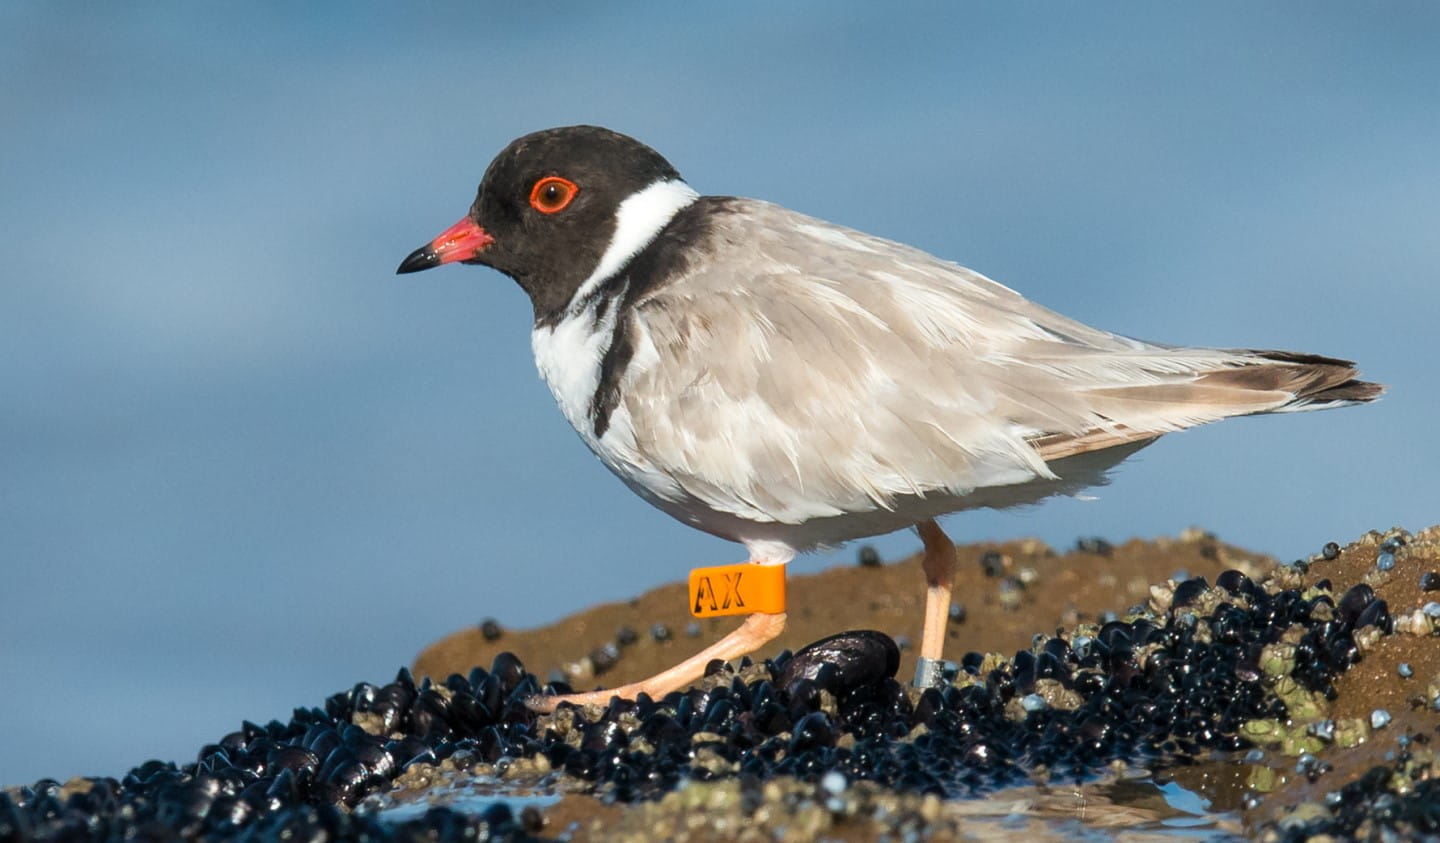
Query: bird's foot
x=757 y=631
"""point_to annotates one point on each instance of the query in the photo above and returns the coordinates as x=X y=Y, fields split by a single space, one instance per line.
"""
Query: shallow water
x=1131 y=805
x=472 y=797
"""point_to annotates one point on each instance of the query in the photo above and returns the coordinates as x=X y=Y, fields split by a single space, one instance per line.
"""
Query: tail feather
x=1316 y=382
x=1252 y=382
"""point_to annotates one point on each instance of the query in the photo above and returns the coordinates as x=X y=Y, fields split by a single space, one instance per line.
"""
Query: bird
x=792 y=384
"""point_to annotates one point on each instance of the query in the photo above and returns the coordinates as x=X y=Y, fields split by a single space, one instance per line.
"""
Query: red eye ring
x=552 y=194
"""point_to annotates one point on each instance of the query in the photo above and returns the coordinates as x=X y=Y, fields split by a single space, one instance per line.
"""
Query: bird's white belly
x=569 y=358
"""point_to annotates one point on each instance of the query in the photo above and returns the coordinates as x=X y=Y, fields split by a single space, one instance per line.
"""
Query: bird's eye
x=552 y=194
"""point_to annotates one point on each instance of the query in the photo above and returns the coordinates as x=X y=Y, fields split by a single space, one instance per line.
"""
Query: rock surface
x=1235 y=698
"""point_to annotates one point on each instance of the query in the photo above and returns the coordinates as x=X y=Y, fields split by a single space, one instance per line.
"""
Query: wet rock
x=1246 y=664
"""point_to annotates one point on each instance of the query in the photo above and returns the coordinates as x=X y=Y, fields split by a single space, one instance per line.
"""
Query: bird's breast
x=569 y=354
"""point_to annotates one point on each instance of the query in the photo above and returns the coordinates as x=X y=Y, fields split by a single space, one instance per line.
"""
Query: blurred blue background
x=243 y=465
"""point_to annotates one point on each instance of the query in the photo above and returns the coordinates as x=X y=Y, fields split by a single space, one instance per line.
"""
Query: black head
x=545 y=212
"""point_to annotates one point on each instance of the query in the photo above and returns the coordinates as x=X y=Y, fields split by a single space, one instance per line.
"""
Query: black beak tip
x=422 y=258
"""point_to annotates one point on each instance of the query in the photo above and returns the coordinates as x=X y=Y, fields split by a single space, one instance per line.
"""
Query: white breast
x=568 y=356
x=569 y=353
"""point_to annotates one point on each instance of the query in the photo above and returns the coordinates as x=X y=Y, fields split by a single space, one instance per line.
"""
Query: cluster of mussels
x=1397 y=800
x=1158 y=686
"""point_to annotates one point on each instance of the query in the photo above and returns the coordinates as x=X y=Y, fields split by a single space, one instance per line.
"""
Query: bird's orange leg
x=757 y=631
x=939 y=565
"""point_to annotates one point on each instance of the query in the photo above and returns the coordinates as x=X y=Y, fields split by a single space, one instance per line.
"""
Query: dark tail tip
x=1349 y=392
x=1333 y=381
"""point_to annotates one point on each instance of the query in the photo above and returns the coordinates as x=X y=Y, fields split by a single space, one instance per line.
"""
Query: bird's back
x=795 y=370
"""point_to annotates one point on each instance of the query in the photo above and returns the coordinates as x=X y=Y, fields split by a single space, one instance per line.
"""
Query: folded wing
x=856 y=371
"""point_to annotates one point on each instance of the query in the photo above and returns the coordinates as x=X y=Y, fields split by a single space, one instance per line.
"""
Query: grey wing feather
x=844 y=372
